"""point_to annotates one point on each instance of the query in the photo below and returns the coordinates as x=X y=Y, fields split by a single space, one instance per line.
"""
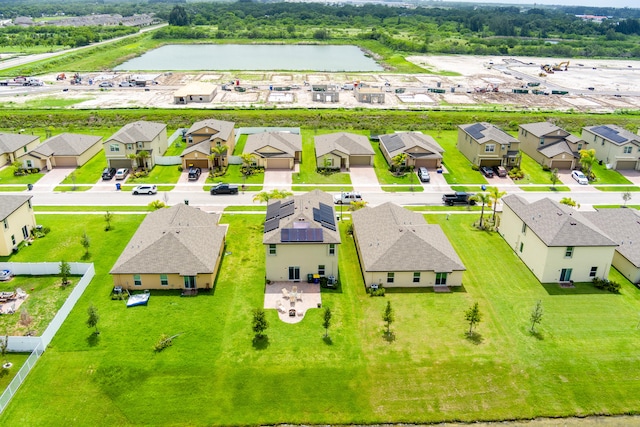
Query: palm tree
x=218 y=152
x=134 y=160
x=142 y=156
x=265 y=196
x=483 y=198
x=588 y=159
x=398 y=161
x=247 y=160
x=495 y=195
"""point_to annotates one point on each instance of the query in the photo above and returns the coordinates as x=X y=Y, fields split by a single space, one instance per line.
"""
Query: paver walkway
x=309 y=298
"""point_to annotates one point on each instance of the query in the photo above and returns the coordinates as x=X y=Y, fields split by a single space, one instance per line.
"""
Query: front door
x=189 y=282
x=294 y=274
x=565 y=274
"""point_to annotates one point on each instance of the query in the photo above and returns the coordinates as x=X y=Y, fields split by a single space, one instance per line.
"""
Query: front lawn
x=7 y=177
x=608 y=176
x=386 y=177
x=234 y=175
x=533 y=172
x=158 y=175
x=90 y=172
x=458 y=167
x=308 y=168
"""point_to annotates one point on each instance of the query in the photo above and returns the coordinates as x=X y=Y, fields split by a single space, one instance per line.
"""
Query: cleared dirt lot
x=459 y=82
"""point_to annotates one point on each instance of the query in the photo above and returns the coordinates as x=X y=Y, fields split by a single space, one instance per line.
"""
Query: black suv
x=194 y=173
x=487 y=171
x=108 y=173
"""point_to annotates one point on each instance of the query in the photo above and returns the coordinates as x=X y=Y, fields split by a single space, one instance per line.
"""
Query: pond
x=196 y=57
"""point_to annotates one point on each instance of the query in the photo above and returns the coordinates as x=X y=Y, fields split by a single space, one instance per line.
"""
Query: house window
x=542 y=141
x=441 y=279
x=272 y=249
x=114 y=148
x=137 y=281
x=29 y=204
x=189 y=282
x=593 y=272
x=164 y=280
x=29 y=164
x=24 y=149
x=627 y=150
x=579 y=147
x=6 y=223
x=13 y=239
x=321 y=270
x=332 y=249
x=416 y=277
x=521 y=247
x=568 y=253
x=390 y=277
x=140 y=144
x=490 y=148
x=524 y=228
x=129 y=147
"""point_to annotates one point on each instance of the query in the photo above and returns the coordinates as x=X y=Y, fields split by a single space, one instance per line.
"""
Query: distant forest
x=426 y=28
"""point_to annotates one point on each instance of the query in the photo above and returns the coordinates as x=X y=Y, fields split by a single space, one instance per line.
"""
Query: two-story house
x=14 y=145
x=301 y=238
x=16 y=221
x=615 y=146
x=205 y=138
x=486 y=145
x=550 y=145
x=131 y=140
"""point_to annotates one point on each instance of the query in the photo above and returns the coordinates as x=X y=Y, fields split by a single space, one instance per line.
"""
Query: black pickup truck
x=224 y=188
x=458 y=198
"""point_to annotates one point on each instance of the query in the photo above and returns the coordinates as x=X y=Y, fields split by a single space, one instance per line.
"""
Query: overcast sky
x=599 y=3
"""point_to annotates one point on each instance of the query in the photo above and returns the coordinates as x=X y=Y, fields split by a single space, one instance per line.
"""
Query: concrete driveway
x=364 y=179
x=278 y=179
x=566 y=179
x=633 y=176
x=52 y=178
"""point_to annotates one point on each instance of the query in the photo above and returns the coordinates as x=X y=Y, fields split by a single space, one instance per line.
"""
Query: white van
x=346 y=198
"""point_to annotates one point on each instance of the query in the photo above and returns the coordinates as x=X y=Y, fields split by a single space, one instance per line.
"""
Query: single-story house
x=343 y=150
x=16 y=215
x=64 y=150
x=615 y=146
x=195 y=92
x=202 y=138
x=550 y=145
x=132 y=139
x=275 y=150
x=14 y=145
x=325 y=93
x=556 y=242
x=485 y=144
x=369 y=95
x=301 y=237
x=397 y=248
x=421 y=150
x=176 y=248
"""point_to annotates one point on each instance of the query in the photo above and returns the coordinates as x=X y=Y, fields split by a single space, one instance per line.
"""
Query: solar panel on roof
x=475 y=131
x=326 y=214
x=392 y=142
x=329 y=226
x=301 y=235
x=273 y=210
x=287 y=202
x=287 y=210
x=611 y=134
x=317 y=215
x=271 y=224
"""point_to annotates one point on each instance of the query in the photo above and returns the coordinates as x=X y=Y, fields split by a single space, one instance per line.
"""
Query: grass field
x=7 y=177
x=308 y=171
x=90 y=172
x=458 y=166
x=158 y=175
x=580 y=362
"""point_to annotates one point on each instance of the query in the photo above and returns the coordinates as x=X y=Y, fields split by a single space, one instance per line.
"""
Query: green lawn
x=7 y=177
x=617 y=188
x=308 y=171
x=71 y=187
x=458 y=166
x=580 y=363
x=234 y=175
x=90 y=172
x=545 y=188
x=91 y=208
x=403 y=188
x=608 y=176
x=158 y=175
x=13 y=187
x=533 y=172
x=385 y=177
x=176 y=148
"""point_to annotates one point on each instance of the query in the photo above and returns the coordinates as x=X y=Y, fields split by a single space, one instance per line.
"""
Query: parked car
x=5 y=275
x=458 y=198
x=347 y=197
x=423 y=174
x=579 y=176
x=501 y=171
x=126 y=84
x=108 y=173
x=122 y=173
x=223 y=188
x=487 y=171
x=194 y=173
x=106 y=84
x=145 y=189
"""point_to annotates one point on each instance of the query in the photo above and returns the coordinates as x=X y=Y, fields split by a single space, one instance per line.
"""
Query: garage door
x=278 y=164
x=65 y=161
x=490 y=162
x=426 y=163
x=198 y=163
x=626 y=165
x=561 y=164
x=360 y=160
x=120 y=163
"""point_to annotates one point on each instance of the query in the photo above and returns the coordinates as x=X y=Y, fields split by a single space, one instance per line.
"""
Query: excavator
x=547 y=68
x=490 y=88
x=563 y=66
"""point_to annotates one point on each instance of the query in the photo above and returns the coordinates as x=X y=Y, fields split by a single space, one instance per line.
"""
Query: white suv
x=346 y=198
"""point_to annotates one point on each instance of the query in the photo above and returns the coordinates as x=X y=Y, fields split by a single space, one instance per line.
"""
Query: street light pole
x=341 y=202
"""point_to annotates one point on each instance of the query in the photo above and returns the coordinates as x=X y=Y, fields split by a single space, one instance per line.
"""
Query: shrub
x=546 y=168
x=180 y=169
x=475 y=167
x=376 y=292
x=516 y=173
x=606 y=285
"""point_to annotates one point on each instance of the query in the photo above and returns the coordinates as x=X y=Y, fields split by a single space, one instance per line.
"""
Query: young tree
x=86 y=243
x=588 y=159
x=473 y=316
x=26 y=320
x=398 y=161
x=483 y=198
x=626 y=196
x=265 y=196
x=4 y=345
x=356 y=205
x=495 y=196
x=73 y=178
x=92 y=320
x=388 y=316
x=327 y=321
x=108 y=216
x=260 y=323
x=569 y=202
x=536 y=316
x=157 y=204
x=65 y=271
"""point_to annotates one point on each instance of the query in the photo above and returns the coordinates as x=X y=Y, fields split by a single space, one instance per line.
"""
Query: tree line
x=50 y=35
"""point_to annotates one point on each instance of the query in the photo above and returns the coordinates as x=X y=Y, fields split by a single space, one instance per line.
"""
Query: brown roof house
x=550 y=145
x=397 y=248
x=275 y=150
x=301 y=238
x=421 y=150
x=343 y=150
x=486 y=145
x=16 y=221
x=133 y=138
x=176 y=248
x=615 y=146
x=200 y=92
x=556 y=242
x=203 y=138
x=64 y=150
x=14 y=145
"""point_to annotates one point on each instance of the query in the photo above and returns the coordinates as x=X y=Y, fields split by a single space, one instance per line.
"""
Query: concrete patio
x=309 y=294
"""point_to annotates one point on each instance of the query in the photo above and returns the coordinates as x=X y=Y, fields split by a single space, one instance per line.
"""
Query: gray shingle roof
x=203 y=147
x=556 y=224
x=178 y=240
x=141 y=130
x=486 y=132
x=10 y=142
x=542 y=128
x=348 y=143
x=391 y=238
x=221 y=129
x=614 y=134
x=286 y=143
x=303 y=212
x=556 y=148
x=66 y=144
x=412 y=143
x=9 y=203
x=623 y=226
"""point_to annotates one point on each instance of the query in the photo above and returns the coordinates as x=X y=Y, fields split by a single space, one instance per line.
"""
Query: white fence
x=37 y=345
x=168 y=160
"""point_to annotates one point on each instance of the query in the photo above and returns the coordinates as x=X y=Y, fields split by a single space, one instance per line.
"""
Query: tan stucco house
x=555 y=241
x=200 y=92
x=486 y=145
x=421 y=150
x=275 y=150
x=369 y=95
x=343 y=150
x=64 y=150
x=14 y=145
x=550 y=145
x=615 y=146
x=176 y=248
x=133 y=138
x=16 y=221
x=202 y=137
x=397 y=248
x=301 y=238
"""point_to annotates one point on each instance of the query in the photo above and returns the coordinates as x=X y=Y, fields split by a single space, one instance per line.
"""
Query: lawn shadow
x=389 y=336
x=93 y=339
x=261 y=343
x=537 y=335
x=474 y=338
x=582 y=288
x=86 y=257
x=327 y=340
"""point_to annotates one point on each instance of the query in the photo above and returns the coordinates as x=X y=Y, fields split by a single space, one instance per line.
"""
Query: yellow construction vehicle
x=547 y=68
x=563 y=66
